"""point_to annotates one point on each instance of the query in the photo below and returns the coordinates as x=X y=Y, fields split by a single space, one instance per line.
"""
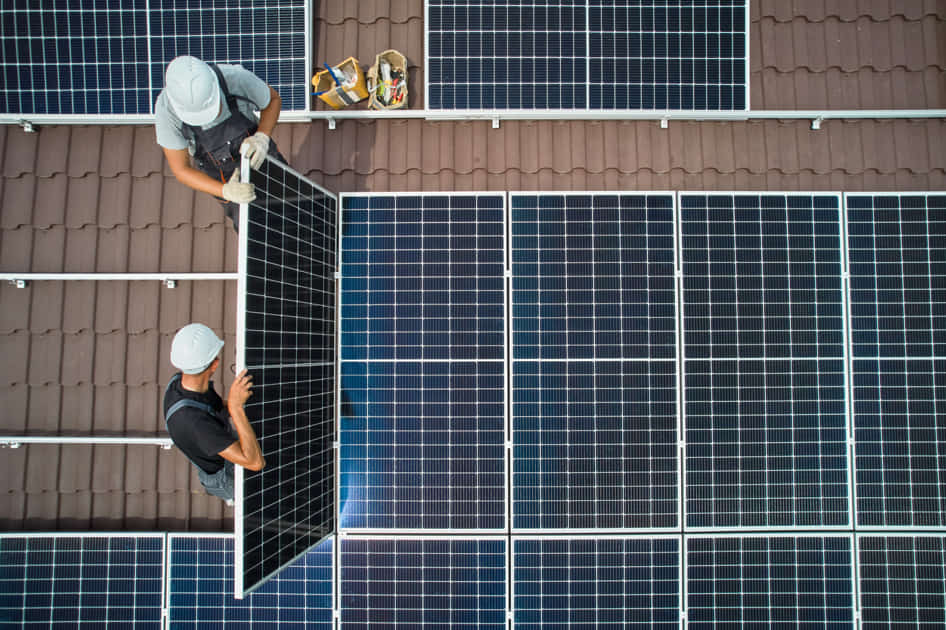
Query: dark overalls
x=217 y=149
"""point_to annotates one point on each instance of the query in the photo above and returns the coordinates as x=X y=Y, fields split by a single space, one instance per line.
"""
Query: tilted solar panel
x=765 y=415
x=108 y=57
x=897 y=263
x=286 y=340
x=101 y=581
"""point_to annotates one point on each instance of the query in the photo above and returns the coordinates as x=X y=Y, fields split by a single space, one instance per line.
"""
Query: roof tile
x=177 y=205
x=147 y=157
x=114 y=204
x=144 y=414
x=15 y=314
x=77 y=359
x=85 y=153
x=15 y=403
x=209 y=248
x=17 y=196
x=75 y=468
x=81 y=207
x=79 y=313
x=109 y=406
x=42 y=469
x=45 y=358
x=51 y=159
x=175 y=307
x=15 y=348
x=19 y=151
x=48 y=246
x=142 y=370
x=141 y=474
x=111 y=306
x=47 y=306
x=112 y=250
x=144 y=299
x=146 y=196
x=78 y=407
x=111 y=350
x=144 y=251
x=118 y=141
x=108 y=473
x=75 y=511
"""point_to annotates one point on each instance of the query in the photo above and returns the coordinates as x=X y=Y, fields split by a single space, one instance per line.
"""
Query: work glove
x=255 y=147
x=238 y=192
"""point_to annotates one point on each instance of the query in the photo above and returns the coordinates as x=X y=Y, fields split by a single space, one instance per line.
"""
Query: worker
x=206 y=113
x=197 y=419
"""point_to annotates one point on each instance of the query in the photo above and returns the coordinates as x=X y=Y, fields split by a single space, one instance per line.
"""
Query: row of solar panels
x=798 y=580
x=764 y=397
x=99 y=57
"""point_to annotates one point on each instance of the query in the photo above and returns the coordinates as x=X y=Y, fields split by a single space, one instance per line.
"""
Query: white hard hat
x=194 y=348
x=193 y=90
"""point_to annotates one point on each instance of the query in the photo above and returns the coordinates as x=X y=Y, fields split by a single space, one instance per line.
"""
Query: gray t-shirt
x=240 y=82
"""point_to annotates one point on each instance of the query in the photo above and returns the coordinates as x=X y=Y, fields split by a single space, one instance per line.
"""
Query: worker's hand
x=240 y=390
x=255 y=147
x=238 y=192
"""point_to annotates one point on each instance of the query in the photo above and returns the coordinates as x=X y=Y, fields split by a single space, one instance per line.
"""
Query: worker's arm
x=246 y=452
x=270 y=114
x=179 y=161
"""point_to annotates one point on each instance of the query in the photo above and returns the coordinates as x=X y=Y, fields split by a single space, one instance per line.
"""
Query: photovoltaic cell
x=87 y=581
x=99 y=57
x=596 y=583
x=594 y=445
x=667 y=55
x=201 y=589
x=423 y=445
x=506 y=55
x=587 y=55
x=778 y=582
x=761 y=276
x=766 y=443
x=287 y=332
x=897 y=261
x=422 y=277
x=902 y=581
x=422 y=583
x=593 y=276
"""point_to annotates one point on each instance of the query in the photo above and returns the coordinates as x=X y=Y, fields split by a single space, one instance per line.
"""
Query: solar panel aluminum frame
x=678 y=307
x=842 y=234
x=599 y=114
x=849 y=367
x=240 y=360
x=575 y=536
x=428 y=533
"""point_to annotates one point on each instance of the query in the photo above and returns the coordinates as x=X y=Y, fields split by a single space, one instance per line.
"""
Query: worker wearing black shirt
x=197 y=419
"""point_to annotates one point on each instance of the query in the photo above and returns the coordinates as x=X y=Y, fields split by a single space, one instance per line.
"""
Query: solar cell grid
x=778 y=582
x=422 y=277
x=902 y=581
x=593 y=276
x=200 y=589
x=288 y=243
x=601 y=583
x=445 y=583
x=89 y=581
x=595 y=445
x=761 y=276
x=423 y=445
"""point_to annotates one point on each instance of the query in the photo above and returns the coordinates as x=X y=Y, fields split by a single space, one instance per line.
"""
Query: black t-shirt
x=199 y=435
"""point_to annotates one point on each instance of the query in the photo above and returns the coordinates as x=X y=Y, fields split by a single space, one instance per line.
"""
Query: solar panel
x=200 y=588
x=593 y=276
x=778 y=582
x=597 y=583
x=109 y=57
x=427 y=583
x=765 y=414
x=902 y=581
x=423 y=373
x=586 y=55
x=897 y=254
x=667 y=55
x=89 y=581
x=286 y=340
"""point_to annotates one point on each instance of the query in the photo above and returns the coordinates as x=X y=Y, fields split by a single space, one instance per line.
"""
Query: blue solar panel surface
x=765 y=414
x=288 y=342
x=897 y=258
x=587 y=54
x=597 y=583
x=108 y=57
x=446 y=583
x=200 y=591
x=81 y=581
x=902 y=581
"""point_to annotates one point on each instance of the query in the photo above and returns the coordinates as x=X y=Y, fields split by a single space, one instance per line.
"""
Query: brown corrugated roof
x=92 y=357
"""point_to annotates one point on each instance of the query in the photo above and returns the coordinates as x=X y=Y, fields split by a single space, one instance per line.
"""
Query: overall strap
x=183 y=402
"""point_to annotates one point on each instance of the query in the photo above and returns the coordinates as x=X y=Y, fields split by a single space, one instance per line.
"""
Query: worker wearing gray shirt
x=205 y=116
